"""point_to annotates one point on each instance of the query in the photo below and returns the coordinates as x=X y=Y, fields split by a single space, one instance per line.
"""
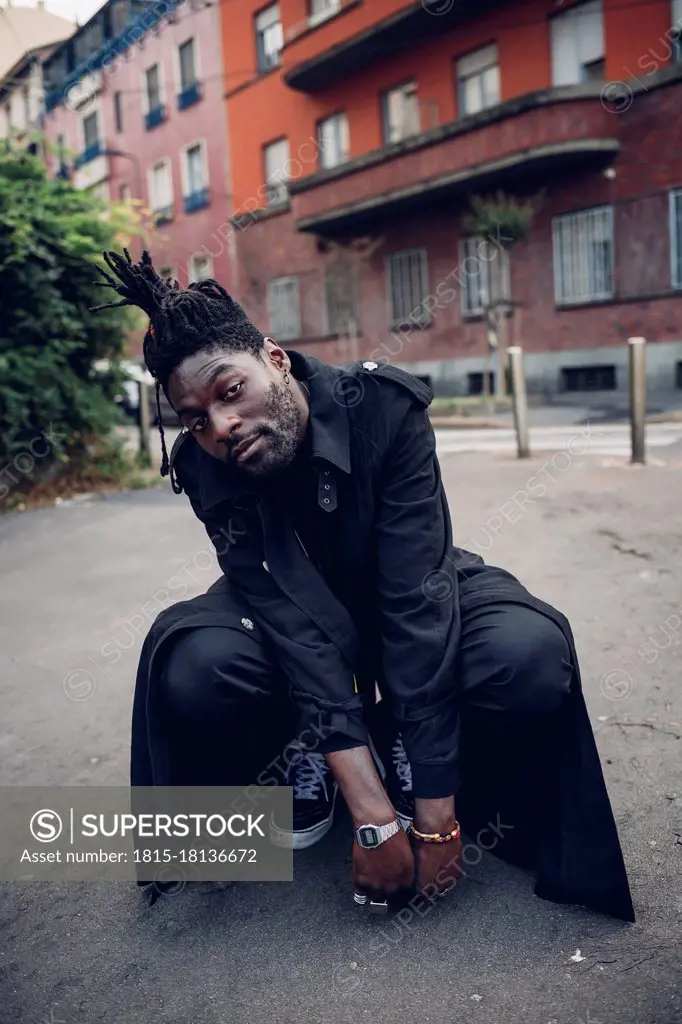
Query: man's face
x=239 y=408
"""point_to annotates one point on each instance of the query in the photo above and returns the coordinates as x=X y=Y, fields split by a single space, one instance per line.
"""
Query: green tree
x=506 y=221
x=51 y=239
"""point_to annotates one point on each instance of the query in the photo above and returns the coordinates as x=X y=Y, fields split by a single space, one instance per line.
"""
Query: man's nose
x=223 y=425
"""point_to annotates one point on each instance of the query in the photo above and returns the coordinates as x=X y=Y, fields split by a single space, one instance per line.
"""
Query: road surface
x=601 y=541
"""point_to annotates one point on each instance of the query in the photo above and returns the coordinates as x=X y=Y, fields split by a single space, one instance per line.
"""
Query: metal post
x=145 y=423
x=637 y=360
x=520 y=402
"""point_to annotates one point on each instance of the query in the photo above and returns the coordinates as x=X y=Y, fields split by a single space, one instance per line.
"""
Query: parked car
x=168 y=414
x=128 y=398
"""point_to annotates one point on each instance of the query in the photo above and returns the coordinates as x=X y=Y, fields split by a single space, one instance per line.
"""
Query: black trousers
x=229 y=717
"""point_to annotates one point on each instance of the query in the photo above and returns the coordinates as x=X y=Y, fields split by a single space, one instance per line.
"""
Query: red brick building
x=359 y=130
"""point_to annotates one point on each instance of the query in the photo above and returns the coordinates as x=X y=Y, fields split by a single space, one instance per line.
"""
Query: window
x=269 y=38
x=118 y=111
x=188 y=74
x=476 y=382
x=583 y=256
x=588 y=378
x=161 y=188
x=8 y=117
x=400 y=113
x=196 y=168
x=408 y=287
x=284 y=308
x=342 y=299
x=320 y=10
x=200 y=267
x=152 y=80
x=333 y=140
x=577 y=38
x=119 y=13
x=189 y=87
x=276 y=158
x=195 y=177
x=678 y=375
x=91 y=132
x=124 y=193
x=676 y=237
x=484 y=274
x=155 y=111
x=478 y=80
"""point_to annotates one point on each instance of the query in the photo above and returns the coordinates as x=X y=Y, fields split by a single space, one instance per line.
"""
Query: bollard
x=145 y=423
x=520 y=402
x=637 y=361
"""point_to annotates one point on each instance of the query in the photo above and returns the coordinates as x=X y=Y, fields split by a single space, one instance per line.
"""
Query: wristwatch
x=371 y=836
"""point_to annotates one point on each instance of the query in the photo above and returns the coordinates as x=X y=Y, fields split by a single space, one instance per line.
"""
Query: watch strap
x=371 y=836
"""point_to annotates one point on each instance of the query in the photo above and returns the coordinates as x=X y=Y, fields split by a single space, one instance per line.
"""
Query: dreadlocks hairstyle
x=182 y=321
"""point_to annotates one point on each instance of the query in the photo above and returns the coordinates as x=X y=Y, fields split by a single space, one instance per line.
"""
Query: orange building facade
x=360 y=130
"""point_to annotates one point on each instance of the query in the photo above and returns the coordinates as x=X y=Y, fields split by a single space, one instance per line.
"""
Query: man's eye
x=233 y=390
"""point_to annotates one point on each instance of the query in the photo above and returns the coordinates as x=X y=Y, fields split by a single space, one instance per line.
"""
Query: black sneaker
x=315 y=792
x=398 y=781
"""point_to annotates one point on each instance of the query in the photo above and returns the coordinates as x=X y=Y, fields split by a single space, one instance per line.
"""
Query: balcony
x=118 y=47
x=316 y=64
x=517 y=143
x=91 y=166
x=90 y=153
x=196 y=200
x=155 y=117
x=190 y=95
x=164 y=215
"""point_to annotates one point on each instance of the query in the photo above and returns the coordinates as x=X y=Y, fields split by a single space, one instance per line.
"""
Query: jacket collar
x=329 y=425
x=329 y=432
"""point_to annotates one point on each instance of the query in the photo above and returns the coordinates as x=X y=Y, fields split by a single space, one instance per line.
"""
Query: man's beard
x=281 y=435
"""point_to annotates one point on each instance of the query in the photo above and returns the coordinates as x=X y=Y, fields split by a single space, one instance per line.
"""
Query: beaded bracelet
x=436 y=837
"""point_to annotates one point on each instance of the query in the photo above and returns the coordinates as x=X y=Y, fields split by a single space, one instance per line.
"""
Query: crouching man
x=321 y=489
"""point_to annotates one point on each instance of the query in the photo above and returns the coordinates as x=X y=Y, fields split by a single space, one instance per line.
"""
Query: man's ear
x=275 y=354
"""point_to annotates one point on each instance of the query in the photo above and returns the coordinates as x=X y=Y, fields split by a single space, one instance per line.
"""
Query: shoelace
x=402 y=765
x=309 y=771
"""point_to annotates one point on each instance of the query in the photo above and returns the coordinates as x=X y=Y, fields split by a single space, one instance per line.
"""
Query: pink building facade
x=135 y=111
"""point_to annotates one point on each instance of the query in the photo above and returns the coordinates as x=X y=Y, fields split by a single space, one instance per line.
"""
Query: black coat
x=394 y=615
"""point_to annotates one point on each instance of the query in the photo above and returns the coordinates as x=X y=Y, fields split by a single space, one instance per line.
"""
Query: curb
x=467 y=422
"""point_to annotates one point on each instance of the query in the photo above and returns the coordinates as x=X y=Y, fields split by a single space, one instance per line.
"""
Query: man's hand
x=438 y=865
x=386 y=870
x=389 y=867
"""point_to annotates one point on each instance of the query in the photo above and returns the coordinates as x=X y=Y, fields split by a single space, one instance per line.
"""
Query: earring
x=287 y=378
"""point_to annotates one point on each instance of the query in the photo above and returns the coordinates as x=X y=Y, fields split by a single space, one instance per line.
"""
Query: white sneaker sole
x=301 y=840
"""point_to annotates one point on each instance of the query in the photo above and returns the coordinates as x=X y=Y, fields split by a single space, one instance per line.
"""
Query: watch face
x=368 y=836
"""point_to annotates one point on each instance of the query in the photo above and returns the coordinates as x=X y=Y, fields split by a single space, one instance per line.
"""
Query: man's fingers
x=364 y=894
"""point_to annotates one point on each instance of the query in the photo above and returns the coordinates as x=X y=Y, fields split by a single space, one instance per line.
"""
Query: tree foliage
x=51 y=238
x=504 y=218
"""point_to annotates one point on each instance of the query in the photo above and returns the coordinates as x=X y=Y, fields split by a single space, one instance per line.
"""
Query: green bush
x=51 y=238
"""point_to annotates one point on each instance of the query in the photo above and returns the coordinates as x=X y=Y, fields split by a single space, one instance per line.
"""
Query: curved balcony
x=509 y=145
x=314 y=63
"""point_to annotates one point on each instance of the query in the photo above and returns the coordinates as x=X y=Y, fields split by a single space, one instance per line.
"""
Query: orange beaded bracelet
x=436 y=837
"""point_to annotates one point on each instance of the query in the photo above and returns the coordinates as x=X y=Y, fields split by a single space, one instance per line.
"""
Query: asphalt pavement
x=593 y=535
